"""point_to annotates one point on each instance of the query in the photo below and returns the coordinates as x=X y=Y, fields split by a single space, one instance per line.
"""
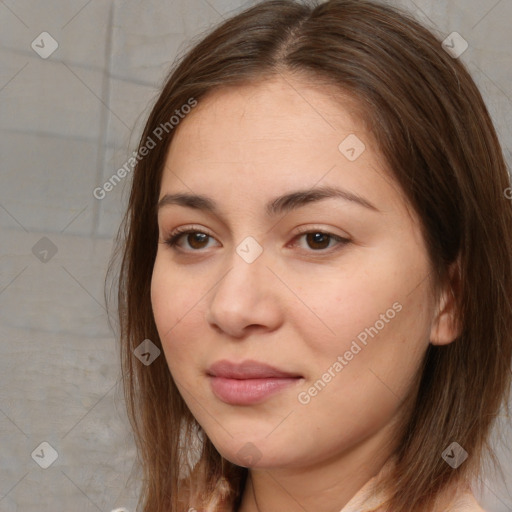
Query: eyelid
x=327 y=230
x=187 y=229
x=191 y=227
x=299 y=230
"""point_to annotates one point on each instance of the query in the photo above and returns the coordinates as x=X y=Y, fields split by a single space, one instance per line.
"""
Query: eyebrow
x=281 y=204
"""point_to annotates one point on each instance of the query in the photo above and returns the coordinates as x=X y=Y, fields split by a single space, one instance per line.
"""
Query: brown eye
x=196 y=239
x=318 y=240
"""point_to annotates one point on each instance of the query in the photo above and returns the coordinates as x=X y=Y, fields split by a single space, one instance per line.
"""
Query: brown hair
x=435 y=133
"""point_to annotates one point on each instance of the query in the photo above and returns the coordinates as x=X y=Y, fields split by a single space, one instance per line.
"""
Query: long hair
x=434 y=131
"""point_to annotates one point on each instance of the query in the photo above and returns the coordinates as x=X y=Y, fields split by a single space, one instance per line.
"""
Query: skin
x=299 y=305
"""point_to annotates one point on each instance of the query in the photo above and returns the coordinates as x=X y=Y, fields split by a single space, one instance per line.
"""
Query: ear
x=445 y=328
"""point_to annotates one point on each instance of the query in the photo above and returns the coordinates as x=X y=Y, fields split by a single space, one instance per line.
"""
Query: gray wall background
x=67 y=123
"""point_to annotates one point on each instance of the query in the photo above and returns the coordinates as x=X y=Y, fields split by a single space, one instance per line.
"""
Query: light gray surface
x=67 y=124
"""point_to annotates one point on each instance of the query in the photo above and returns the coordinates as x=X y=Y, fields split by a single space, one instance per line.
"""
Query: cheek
x=169 y=306
x=360 y=384
x=377 y=317
x=161 y=297
x=178 y=310
x=172 y=296
x=346 y=305
x=384 y=346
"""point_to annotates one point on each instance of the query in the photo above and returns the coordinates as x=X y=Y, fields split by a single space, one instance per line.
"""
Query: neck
x=325 y=487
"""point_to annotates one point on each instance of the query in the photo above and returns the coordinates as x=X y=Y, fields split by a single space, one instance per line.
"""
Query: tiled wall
x=67 y=123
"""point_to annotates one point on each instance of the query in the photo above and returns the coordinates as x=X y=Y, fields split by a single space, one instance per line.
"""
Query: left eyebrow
x=281 y=204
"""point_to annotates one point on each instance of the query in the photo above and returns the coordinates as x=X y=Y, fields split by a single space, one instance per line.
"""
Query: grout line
x=155 y=84
x=102 y=138
x=85 y=66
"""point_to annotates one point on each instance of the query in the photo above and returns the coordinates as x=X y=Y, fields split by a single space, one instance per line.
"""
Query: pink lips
x=249 y=382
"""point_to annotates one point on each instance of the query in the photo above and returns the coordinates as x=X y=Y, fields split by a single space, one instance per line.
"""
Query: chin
x=254 y=451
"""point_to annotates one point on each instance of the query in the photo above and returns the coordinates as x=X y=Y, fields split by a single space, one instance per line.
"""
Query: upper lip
x=249 y=369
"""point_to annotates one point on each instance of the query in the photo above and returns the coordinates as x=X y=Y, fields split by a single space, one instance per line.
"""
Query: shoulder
x=465 y=502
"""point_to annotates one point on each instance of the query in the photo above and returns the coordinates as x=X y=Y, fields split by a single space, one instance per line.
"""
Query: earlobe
x=445 y=328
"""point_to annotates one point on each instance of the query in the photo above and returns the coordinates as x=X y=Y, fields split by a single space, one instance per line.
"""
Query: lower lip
x=248 y=391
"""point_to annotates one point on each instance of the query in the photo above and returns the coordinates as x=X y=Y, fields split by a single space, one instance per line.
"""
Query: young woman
x=318 y=239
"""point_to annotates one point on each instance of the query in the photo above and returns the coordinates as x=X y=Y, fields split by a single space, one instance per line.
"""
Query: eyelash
x=175 y=235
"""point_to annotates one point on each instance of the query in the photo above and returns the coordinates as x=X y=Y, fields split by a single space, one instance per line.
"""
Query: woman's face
x=343 y=322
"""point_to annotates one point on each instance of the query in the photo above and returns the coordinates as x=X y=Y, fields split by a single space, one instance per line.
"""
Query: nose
x=245 y=298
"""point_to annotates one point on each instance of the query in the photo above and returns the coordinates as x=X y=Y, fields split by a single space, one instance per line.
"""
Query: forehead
x=275 y=135
x=269 y=112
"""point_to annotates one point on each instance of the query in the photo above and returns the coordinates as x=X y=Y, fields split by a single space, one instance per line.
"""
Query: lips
x=249 y=382
x=247 y=370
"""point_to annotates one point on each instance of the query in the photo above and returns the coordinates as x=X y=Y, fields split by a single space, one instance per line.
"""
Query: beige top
x=366 y=498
